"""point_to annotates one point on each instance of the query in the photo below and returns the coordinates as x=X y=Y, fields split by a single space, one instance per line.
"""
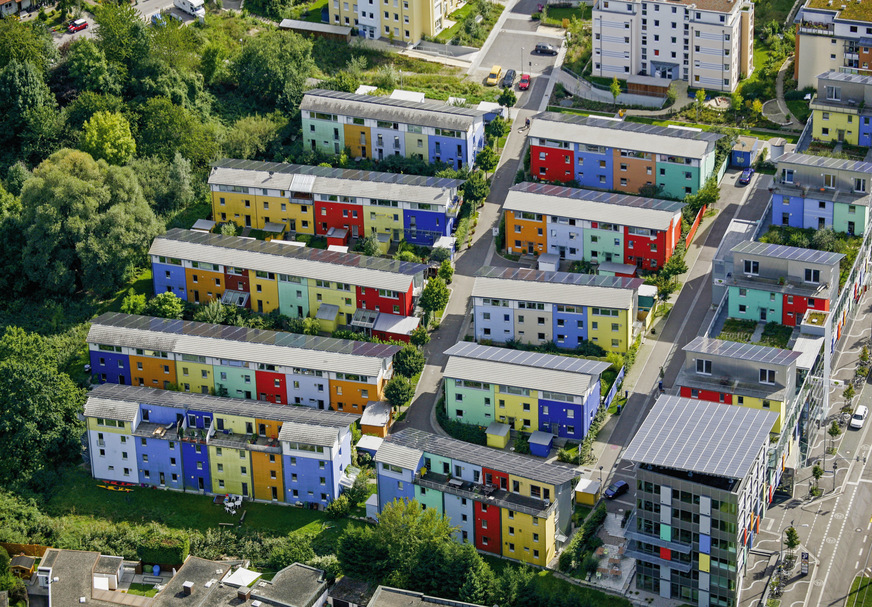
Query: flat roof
x=199 y=572
x=852 y=11
x=607 y=207
x=750 y=352
x=376 y=413
x=297 y=585
x=394 y=597
x=502 y=461
x=369 y=442
x=808 y=347
x=556 y=287
x=306 y=262
x=429 y=113
x=737 y=231
x=846 y=77
x=332 y=181
x=240 y=343
x=541 y=438
x=613 y=133
x=825 y=162
x=699 y=436
x=745 y=144
x=780 y=251
x=111 y=408
x=470 y=369
x=468 y=349
x=137 y=395
x=311 y=26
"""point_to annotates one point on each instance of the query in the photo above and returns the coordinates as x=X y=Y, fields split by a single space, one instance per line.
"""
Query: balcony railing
x=816 y=29
x=485 y=495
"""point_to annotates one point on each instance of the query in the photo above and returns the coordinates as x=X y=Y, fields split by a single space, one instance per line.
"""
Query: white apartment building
x=708 y=43
x=832 y=36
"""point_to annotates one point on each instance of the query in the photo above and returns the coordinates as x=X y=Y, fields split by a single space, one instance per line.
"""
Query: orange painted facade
x=352 y=396
x=152 y=372
x=525 y=233
x=266 y=476
x=203 y=285
x=267 y=428
x=381 y=431
x=358 y=139
x=632 y=172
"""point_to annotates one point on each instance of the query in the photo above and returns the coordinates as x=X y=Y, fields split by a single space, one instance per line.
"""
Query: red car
x=77 y=26
x=524 y=84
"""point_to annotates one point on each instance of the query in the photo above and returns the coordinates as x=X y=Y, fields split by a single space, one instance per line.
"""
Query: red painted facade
x=368 y=298
x=338 y=215
x=551 y=164
x=497 y=479
x=640 y=247
x=237 y=282
x=711 y=396
x=794 y=308
x=396 y=336
x=271 y=387
x=488 y=536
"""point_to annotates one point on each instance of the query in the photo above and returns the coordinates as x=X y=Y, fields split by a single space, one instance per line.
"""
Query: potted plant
x=182 y=433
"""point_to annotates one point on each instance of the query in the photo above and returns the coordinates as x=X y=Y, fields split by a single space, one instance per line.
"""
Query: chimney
x=243 y=592
x=188 y=588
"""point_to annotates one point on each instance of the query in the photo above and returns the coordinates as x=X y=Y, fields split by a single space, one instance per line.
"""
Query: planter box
x=814 y=322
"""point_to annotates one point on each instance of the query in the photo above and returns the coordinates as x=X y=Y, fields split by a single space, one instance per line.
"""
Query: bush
x=164 y=546
x=339 y=507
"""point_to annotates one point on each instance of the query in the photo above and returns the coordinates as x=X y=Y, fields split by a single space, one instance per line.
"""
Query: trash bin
x=156 y=570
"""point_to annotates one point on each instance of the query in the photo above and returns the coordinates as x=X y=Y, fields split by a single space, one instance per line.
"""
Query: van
x=859 y=417
x=493 y=78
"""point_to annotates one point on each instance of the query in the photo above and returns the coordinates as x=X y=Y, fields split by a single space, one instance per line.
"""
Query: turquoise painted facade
x=293 y=296
x=608 y=244
x=676 y=178
x=236 y=382
x=324 y=132
x=850 y=218
x=750 y=304
x=477 y=404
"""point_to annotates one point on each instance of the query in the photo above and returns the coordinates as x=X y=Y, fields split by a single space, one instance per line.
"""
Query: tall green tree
x=107 y=136
x=360 y=555
x=89 y=69
x=26 y=42
x=165 y=305
x=176 y=45
x=699 y=102
x=272 y=69
x=27 y=109
x=409 y=361
x=85 y=225
x=475 y=189
x=121 y=33
x=615 y=89
x=435 y=295
x=487 y=160
x=446 y=271
x=252 y=136
x=166 y=128
x=399 y=390
x=167 y=185
x=507 y=98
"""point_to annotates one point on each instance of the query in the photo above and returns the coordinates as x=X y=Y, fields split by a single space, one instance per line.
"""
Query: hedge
x=165 y=547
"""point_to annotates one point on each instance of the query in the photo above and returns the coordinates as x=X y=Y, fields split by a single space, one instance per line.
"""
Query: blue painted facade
x=813 y=211
x=571 y=419
x=541 y=450
x=493 y=323
x=449 y=150
x=195 y=464
x=793 y=208
x=171 y=278
x=459 y=511
x=303 y=479
x=571 y=325
x=865 y=131
x=393 y=485
x=160 y=462
x=111 y=367
x=392 y=142
x=588 y=171
x=428 y=226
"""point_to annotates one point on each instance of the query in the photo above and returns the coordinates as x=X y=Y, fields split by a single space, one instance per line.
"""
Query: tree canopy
x=272 y=69
x=107 y=136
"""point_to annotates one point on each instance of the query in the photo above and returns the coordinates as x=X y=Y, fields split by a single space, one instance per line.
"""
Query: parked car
x=77 y=26
x=494 y=77
x=616 y=489
x=859 y=417
x=509 y=79
x=524 y=84
x=745 y=179
x=545 y=49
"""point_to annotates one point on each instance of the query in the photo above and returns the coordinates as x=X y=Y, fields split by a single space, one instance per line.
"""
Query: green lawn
x=790 y=138
x=799 y=108
x=776 y=335
x=738 y=330
x=142 y=589
x=557 y=15
x=861 y=592
x=462 y=13
x=142 y=284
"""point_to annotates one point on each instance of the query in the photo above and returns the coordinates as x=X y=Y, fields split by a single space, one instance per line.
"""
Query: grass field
x=861 y=592
x=776 y=336
x=799 y=109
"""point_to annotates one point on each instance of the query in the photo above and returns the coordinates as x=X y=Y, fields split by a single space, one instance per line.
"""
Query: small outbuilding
x=337 y=236
x=321 y=30
x=587 y=491
x=203 y=225
x=22 y=566
x=372 y=507
x=328 y=317
x=369 y=444
x=744 y=152
x=549 y=262
x=497 y=435
x=540 y=443
x=376 y=419
x=611 y=268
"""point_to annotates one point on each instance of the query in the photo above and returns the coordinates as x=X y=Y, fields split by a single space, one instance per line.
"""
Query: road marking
x=865 y=537
x=769 y=524
x=861 y=552
x=857 y=565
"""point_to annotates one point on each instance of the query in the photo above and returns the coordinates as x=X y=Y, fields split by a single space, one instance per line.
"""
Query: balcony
x=249 y=442
x=486 y=494
x=787 y=285
x=639 y=536
x=816 y=29
x=634 y=553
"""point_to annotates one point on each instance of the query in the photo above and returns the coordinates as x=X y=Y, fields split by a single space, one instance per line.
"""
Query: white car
x=859 y=417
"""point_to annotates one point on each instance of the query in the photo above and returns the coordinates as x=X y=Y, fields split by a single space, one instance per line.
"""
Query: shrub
x=164 y=546
x=339 y=507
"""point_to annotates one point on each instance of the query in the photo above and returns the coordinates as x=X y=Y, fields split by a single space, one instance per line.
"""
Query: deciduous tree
x=435 y=295
x=487 y=160
x=166 y=128
x=107 y=136
x=409 y=361
x=89 y=69
x=272 y=69
x=165 y=305
x=446 y=271
x=26 y=42
x=399 y=391
x=419 y=337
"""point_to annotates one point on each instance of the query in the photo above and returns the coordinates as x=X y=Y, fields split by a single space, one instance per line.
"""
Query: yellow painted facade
x=358 y=139
x=521 y=412
x=329 y=293
x=836 y=126
x=266 y=470
x=527 y=538
x=264 y=291
x=204 y=285
x=773 y=405
x=237 y=424
x=384 y=220
x=602 y=331
x=254 y=211
x=231 y=470
x=194 y=377
x=524 y=486
x=120 y=428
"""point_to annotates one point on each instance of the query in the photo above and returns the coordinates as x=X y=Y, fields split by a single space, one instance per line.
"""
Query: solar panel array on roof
x=339 y=173
x=566 y=278
x=625 y=200
x=501 y=461
x=633 y=127
x=699 y=436
x=350 y=260
x=400 y=103
x=825 y=162
x=245 y=334
x=465 y=349
x=781 y=251
x=749 y=352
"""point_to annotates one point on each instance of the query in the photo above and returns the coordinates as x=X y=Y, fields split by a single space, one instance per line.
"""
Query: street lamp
x=835 y=470
x=601 y=475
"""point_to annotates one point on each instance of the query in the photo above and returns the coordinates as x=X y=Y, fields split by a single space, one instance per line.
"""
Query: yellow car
x=494 y=78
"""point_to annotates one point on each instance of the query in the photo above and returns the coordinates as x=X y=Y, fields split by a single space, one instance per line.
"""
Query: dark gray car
x=545 y=49
x=508 y=79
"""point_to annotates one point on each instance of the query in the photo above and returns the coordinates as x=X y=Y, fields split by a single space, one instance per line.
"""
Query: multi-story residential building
x=610 y=154
x=700 y=492
x=506 y=504
x=841 y=108
x=313 y=199
x=375 y=127
x=282 y=368
x=757 y=377
x=591 y=226
x=777 y=283
x=296 y=281
x=819 y=192
x=525 y=390
x=832 y=36
x=710 y=45
x=537 y=307
x=185 y=441
x=400 y=20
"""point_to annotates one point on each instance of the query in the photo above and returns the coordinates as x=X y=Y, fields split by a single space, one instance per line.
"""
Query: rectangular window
x=752 y=267
x=703 y=367
x=767 y=376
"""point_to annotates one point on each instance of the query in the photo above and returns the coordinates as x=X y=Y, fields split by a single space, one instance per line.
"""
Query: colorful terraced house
x=503 y=503
x=282 y=368
x=322 y=200
x=777 y=283
x=819 y=192
x=369 y=294
x=528 y=391
x=217 y=445
x=841 y=108
x=610 y=154
x=537 y=307
x=591 y=226
x=376 y=127
x=747 y=375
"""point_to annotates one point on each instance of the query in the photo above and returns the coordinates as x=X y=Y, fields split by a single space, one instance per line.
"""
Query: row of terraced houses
x=316 y=200
x=339 y=289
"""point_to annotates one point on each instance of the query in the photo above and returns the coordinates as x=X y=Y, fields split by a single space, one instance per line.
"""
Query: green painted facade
x=607 y=241
x=754 y=301
x=429 y=498
x=328 y=135
x=294 y=298
x=474 y=403
x=674 y=178
x=842 y=216
x=238 y=381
